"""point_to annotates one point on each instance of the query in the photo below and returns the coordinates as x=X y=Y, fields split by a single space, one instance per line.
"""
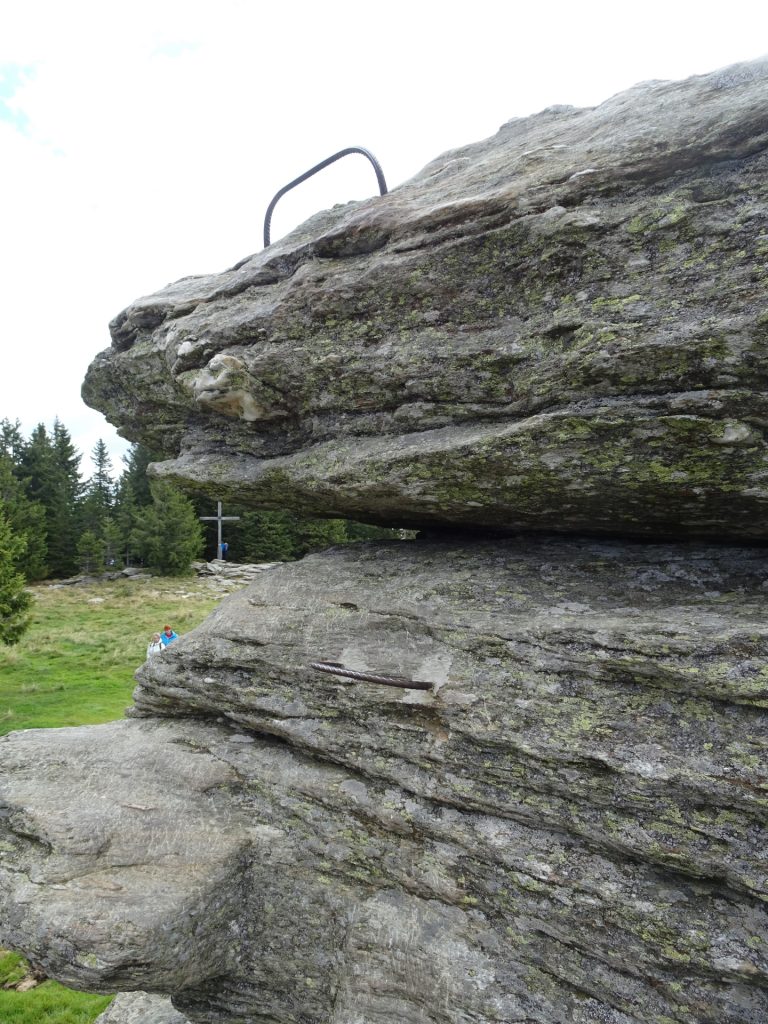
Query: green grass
x=75 y=666
x=49 y=1003
x=12 y=968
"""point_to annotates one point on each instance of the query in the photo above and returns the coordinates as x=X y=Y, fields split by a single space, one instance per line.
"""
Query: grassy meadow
x=49 y=1003
x=75 y=666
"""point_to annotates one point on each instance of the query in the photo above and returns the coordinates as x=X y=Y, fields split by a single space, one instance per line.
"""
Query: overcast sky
x=141 y=142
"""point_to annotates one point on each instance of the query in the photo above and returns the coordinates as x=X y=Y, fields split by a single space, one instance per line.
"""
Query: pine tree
x=11 y=440
x=168 y=535
x=264 y=536
x=132 y=493
x=68 y=463
x=317 y=534
x=112 y=537
x=99 y=492
x=37 y=466
x=90 y=553
x=51 y=465
x=14 y=599
x=126 y=516
x=364 y=531
x=134 y=477
x=98 y=509
x=27 y=521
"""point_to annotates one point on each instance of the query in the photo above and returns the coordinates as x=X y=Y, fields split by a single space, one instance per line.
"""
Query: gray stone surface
x=141 y=1008
x=571 y=826
x=562 y=327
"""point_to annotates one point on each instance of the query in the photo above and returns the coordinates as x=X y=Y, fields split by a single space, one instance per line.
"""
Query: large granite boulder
x=569 y=825
x=465 y=780
x=563 y=327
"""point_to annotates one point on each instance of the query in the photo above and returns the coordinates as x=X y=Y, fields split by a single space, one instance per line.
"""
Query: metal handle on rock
x=314 y=170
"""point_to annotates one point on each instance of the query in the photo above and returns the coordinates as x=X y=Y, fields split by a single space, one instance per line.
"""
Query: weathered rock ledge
x=561 y=330
x=563 y=327
x=569 y=826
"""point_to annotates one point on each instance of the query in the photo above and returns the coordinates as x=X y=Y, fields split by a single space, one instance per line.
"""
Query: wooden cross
x=219 y=519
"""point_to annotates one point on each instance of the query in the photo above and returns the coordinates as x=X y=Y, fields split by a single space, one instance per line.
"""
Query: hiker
x=224 y=550
x=155 y=645
x=168 y=636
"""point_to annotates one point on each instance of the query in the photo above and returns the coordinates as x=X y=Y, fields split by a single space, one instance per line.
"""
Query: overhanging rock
x=561 y=328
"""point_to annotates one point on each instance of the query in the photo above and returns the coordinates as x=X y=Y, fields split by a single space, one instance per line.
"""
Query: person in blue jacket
x=168 y=636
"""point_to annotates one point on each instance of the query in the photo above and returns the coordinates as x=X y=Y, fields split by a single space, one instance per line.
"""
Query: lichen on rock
x=548 y=350
x=569 y=825
x=573 y=307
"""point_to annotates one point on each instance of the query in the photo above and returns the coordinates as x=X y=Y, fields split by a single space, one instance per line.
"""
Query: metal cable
x=369 y=677
x=314 y=170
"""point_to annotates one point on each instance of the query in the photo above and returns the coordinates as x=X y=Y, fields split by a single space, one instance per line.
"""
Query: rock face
x=572 y=309
x=557 y=813
x=570 y=825
x=224 y=577
x=141 y=1008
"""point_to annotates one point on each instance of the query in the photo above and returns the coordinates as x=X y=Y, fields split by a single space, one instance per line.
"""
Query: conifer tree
x=317 y=534
x=134 y=476
x=11 y=440
x=14 y=599
x=168 y=535
x=51 y=465
x=126 y=513
x=68 y=463
x=112 y=537
x=98 y=511
x=263 y=536
x=364 y=531
x=90 y=553
x=37 y=465
x=27 y=521
x=132 y=493
x=99 y=492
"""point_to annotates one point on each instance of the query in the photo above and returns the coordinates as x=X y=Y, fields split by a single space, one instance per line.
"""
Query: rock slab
x=563 y=327
x=569 y=825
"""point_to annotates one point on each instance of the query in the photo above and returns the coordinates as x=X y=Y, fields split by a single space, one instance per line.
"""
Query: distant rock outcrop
x=561 y=328
x=223 y=577
x=141 y=1008
x=466 y=778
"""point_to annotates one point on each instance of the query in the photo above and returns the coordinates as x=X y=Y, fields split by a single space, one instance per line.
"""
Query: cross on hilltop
x=219 y=519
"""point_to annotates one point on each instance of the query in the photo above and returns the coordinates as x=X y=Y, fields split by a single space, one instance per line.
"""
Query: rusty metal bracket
x=314 y=170
x=334 y=668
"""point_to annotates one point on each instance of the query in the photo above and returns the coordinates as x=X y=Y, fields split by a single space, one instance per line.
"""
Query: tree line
x=56 y=524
